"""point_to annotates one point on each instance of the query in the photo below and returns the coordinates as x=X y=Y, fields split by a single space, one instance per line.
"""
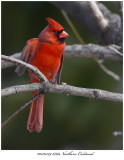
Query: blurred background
x=70 y=122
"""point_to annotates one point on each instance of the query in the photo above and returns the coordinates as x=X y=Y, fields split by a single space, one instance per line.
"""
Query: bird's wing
x=27 y=52
x=58 y=75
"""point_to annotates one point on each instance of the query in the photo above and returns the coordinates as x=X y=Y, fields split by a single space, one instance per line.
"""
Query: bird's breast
x=47 y=59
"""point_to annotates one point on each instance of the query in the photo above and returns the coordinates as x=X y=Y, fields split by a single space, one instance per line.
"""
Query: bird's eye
x=55 y=32
x=58 y=32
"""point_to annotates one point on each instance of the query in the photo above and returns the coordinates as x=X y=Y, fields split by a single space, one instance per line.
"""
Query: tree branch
x=63 y=89
x=92 y=51
x=34 y=69
x=19 y=110
x=80 y=11
x=102 y=22
x=83 y=51
x=6 y=64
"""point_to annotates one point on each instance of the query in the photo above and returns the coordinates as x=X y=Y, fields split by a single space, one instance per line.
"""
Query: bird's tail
x=35 y=119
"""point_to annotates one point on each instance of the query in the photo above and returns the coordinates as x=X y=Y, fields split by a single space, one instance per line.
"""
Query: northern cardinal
x=46 y=53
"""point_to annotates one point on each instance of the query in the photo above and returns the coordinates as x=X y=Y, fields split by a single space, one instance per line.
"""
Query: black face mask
x=57 y=33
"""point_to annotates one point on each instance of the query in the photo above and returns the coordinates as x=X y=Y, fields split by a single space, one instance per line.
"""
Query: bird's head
x=54 y=32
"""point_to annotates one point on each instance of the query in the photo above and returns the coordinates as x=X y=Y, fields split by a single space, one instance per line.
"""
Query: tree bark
x=81 y=12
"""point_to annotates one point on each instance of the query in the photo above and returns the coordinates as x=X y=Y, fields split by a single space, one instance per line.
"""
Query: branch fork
x=47 y=87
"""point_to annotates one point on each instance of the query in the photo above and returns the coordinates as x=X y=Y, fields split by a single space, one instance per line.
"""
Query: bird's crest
x=54 y=25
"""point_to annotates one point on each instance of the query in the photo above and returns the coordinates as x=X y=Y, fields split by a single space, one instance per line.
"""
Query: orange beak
x=63 y=35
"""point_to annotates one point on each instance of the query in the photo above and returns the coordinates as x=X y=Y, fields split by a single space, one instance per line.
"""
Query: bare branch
x=34 y=69
x=80 y=11
x=63 y=89
x=19 y=110
x=102 y=22
x=116 y=49
x=107 y=71
x=6 y=64
x=93 y=51
x=83 y=51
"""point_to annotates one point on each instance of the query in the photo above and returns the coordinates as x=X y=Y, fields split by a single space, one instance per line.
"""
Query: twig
x=102 y=22
x=63 y=89
x=116 y=49
x=34 y=69
x=107 y=71
x=19 y=110
x=72 y=27
x=82 y=51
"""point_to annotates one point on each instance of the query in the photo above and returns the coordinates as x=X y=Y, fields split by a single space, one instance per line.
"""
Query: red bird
x=46 y=53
